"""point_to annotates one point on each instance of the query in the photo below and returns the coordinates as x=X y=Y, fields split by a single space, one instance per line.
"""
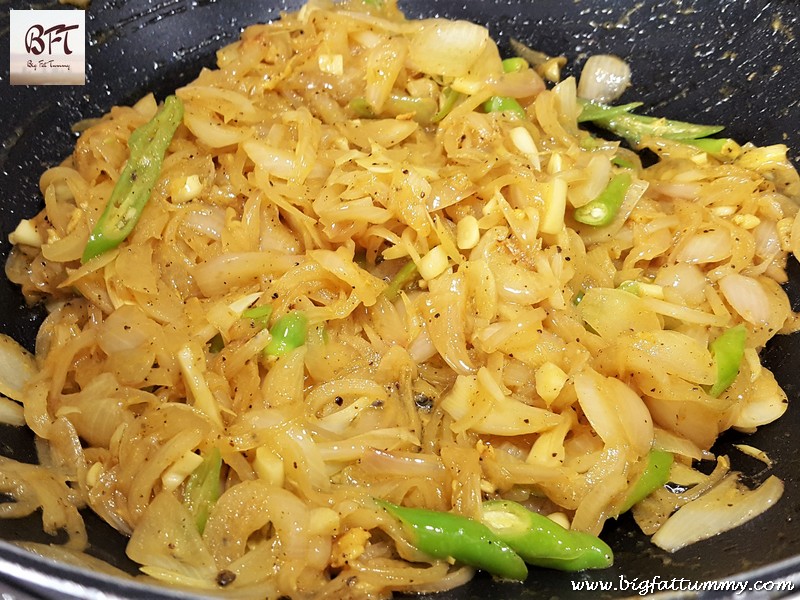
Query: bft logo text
x=38 y=39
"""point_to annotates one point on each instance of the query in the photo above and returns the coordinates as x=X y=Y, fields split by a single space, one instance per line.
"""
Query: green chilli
x=542 y=542
x=654 y=476
x=147 y=145
x=404 y=276
x=620 y=121
x=504 y=104
x=728 y=352
x=602 y=210
x=203 y=488
x=288 y=332
x=450 y=536
x=514 y=64
x=259 y=314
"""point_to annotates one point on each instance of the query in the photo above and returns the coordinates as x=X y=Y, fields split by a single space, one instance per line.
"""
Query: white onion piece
x=675 y=353
x=17 y=366
x=209 y=222
x=386 y=132
x=407 y=464
x=747 y=297
x=448 y=48
x=166 y=538
x=724 y=507
x=211 y=130
x=519 y=84
x=754 y=452
x=279 y=162
x=615 y=411
x=687 y=281
x=421 y=348
x=11 y=413
x=766 y=403
x=705 y=247
x=666 y=440
x=767 y=241
x=604 y=77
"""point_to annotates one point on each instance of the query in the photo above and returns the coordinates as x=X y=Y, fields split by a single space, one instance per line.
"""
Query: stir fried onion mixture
x=364 y=310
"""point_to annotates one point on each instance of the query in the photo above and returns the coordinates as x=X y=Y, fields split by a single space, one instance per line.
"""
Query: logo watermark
x=657 y=584
x=47 y=47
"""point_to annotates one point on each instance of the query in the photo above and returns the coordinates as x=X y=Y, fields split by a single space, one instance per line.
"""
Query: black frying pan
x=733 y=62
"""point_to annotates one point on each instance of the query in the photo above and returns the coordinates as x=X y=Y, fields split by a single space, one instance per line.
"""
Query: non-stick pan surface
x=732 y=62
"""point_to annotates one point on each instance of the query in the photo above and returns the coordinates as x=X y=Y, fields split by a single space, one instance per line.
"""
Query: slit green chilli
x=147 y=146
x=507 y=536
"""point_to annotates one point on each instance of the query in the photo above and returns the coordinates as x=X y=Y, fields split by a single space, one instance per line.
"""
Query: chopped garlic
x=550 y=380
x=723 y=211
x=25 y=234
x=467 y=233
x=551 y=69
x=555 y=164
x=487 y=487
x=523 y=141
x=467 y=85
x=93 y=474
x=366 y=38
x=243 y=303
x=490 y=206
x=333 y=64
x=555 y=203
x=651 y=290
x=746 y=221
x=700 y=159
x=349 y=546
x=180 y=470
x=323 y=521
x=191 y=188
x=560 y=519
x=434 y=263
x=269 y=466
x=221 y=317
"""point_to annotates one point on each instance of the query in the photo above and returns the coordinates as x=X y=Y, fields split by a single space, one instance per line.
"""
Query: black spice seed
x=225 y=578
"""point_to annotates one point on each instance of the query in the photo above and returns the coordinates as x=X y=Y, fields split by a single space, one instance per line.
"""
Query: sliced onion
x=629 y=313
x=686 y=281
x=447 y=48
x=765 y=403
x=724 y=507
x=747 y=297
x=604 y=77
x=11 y=413
x=279 y=162
x=225 y=271
x=407 y=464
x=767 y=239
x=207 y=221
x=666 y=440
x=167 y=539
x=754 y=452
x=385 y=132
x=519 y=84
x=17 y=366
x=675 y=353
x=614 y=410
x=421 y=348
x=706 y=247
